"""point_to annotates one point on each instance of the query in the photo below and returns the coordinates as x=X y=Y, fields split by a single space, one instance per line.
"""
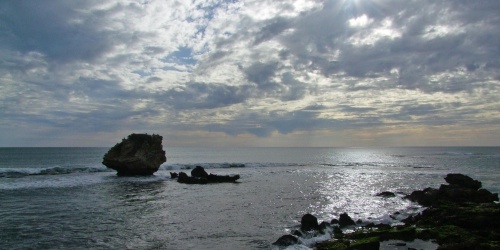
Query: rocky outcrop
x=184 y=178
x=345 y=220
x=200 y=176
x=461 y=188
x=460 y=180
x=309 y=222
x=138 y=154
x=460 y=215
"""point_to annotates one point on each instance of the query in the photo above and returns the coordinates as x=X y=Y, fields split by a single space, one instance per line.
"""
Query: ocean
x=64 y=198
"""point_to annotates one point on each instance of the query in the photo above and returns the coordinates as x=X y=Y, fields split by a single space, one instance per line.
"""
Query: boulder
x=345 y=220
x=309 y=222
x=463 y=181
x=199 y=171
x=138 y=154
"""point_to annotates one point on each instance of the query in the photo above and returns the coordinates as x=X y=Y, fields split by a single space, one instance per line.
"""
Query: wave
x=61 y=170
x=23 y=172
x=462 y=153
x=182 y=166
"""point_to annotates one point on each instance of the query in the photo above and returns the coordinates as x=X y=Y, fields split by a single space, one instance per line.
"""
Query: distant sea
x=64 y=198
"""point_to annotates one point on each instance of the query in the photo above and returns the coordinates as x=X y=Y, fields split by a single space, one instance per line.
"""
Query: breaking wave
x=23 y=172
x=62 y=170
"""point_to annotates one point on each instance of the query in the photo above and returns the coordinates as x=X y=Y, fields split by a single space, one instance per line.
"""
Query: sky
x=303 y=73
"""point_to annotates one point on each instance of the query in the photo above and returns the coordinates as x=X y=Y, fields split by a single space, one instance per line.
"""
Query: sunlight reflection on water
x=354 y=191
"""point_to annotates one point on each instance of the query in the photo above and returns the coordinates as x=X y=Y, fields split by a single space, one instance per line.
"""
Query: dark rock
x=461 y=189
x=174 y=175
x=462 y=181
x=334 y=221
x=286 y=240
x=309 y=222
x=199 y=171
x=345 y=220
x=323 y=225
x=424 y=197
x=184 y=178
x=337 y=232
x=297 y=233
x=386 y=194
x=138 y=154
x=212 y=178
x=485 y=196
x=209 y=178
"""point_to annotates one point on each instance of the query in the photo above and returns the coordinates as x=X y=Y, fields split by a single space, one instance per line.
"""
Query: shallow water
x=97 y=209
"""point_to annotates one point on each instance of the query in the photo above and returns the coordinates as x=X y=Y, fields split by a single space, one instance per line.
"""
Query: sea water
x=64 y=198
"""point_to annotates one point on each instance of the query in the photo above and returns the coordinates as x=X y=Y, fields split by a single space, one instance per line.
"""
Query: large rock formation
x=138 y=154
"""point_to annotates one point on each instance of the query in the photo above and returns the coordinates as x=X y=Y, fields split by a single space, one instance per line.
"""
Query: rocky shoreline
x=460 y=215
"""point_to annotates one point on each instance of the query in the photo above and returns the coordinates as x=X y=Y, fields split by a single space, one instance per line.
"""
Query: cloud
x=205 y=96
x=239 y=68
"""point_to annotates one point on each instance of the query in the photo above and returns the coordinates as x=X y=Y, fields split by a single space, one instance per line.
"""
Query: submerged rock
x=138 y=154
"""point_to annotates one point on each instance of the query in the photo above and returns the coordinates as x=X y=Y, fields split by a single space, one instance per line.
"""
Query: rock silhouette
x=138 y=154
x=200 y=176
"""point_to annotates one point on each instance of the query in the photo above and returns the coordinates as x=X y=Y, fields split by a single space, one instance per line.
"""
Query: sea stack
x=138 y=154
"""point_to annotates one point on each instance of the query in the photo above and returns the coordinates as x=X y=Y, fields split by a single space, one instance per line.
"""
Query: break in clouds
x=101 y=69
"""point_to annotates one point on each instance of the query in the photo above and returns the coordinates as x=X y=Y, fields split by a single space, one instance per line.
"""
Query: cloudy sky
x=250 y=72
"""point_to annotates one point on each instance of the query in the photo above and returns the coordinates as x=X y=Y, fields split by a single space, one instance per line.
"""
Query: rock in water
x=138 y=154
x=464 y=181
x=309 y=222
x=286 y=240
x=345 y=220
x=199 y=171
